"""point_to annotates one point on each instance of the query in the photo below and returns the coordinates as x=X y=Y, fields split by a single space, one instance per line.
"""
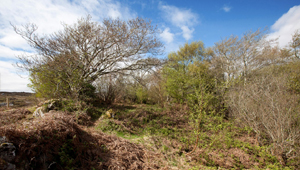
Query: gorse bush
x=87 y=93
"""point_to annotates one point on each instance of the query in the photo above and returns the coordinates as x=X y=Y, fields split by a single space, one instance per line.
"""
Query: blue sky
x=218 y=18
x=180 y=21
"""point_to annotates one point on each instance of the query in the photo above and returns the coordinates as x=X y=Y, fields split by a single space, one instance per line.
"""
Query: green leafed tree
x=68 y=62
x=48 y=84
x=183 y=69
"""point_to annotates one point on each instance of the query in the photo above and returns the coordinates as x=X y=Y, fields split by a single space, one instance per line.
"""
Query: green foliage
x=181 y=70
x=189 y=80
x=68 y=62
x=87 y=92
x=56 y=84
x=141 y=94
x=47 y=83
x=109 y=126
x=67 y=155
x=130 y=92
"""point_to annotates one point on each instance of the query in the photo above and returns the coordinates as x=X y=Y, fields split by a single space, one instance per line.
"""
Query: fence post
x=7 y=102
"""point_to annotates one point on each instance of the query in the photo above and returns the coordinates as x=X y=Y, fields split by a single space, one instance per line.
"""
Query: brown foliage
x=41 y=142
x=266 y=105
x=12 y=116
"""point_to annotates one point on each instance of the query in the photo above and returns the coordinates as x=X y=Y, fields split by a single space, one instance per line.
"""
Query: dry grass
x=13 y=116
x=18 y=99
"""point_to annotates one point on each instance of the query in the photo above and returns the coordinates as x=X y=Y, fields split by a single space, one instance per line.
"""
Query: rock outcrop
x=109 y=114
x=38 y=112
x=46 y=107
x=7 y=154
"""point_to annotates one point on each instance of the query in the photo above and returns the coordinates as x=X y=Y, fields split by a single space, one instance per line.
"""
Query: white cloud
x=185 y=19
x=10 y=80
x=286 y=25
x=12 y=40
x=226 y=8
x=48 y=16
x=167 y=36
x=8 y=53
x=113 y=13
x=187 y=32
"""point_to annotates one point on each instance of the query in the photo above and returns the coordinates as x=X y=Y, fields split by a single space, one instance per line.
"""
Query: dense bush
x=267 y=105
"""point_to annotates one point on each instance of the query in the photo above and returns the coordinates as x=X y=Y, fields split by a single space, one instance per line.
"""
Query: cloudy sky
x=180 y=21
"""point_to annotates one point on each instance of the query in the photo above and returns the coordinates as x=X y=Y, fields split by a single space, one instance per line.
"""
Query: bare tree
x=295 y=44
x=249 y=47
x=87 y=50
x=266 y=105
x=109 y=87
x=236 y=57
x=225 y=57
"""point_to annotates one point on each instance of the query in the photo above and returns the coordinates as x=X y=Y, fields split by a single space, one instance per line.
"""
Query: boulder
x=46 y=106
x=110 y=113
x=3 y=139
x=7 y=151
x=53 y=104
x=4 y=165
x=7 y=154
x=39 y=112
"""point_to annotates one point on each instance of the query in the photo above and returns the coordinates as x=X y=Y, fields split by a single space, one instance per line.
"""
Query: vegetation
x=74 y=58
x=231 y=106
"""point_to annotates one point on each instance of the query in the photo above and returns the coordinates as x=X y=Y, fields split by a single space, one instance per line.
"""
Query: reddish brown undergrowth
x=12 y=116
x=56 y=141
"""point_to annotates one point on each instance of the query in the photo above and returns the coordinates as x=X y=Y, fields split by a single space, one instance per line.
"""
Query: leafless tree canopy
x=295 y=44
x=238 y=56
x=93 y=49
x=266 y=105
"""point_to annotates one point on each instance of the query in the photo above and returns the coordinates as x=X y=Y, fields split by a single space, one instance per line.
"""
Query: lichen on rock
x=7 y=154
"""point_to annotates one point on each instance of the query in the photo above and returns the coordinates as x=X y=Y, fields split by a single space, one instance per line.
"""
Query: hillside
x=137 y=137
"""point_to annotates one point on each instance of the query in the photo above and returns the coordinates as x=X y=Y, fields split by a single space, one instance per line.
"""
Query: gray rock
x=7 y=154
x=46 y=107
x=51 y=106
x=3 y=139
x=6 y=165
x=39 y=112
x=7 y=151
x=5 y=104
